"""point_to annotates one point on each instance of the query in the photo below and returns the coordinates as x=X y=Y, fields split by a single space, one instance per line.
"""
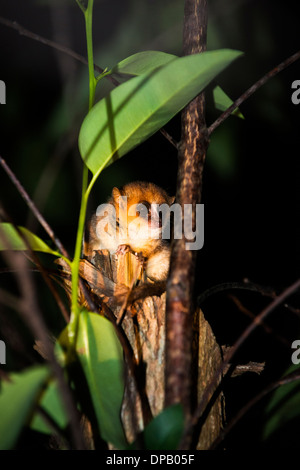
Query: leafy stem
x=88 y=15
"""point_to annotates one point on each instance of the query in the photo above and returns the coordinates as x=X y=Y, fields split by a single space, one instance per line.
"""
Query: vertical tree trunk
x=192 y=353
x=191 y=157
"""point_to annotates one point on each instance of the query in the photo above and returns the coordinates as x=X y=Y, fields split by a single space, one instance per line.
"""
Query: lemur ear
x=116 y=193
x=119 y=198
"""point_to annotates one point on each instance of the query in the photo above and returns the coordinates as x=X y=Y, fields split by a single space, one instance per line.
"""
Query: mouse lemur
x=133 y=220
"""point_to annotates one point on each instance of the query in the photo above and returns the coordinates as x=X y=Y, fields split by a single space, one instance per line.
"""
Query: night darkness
x=251 y=178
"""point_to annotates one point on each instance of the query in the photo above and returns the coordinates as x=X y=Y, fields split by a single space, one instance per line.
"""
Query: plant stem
x=72 y=330
x=88 y=14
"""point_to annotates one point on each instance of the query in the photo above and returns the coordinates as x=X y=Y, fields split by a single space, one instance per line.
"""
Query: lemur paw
x=141 y=259
x=122 y=249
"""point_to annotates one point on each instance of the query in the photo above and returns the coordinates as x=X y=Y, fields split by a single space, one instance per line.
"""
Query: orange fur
x=129 y=227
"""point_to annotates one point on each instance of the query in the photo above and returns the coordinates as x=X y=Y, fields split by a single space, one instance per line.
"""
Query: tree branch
x=33 y=207
x=47 y=42
x=230 y=353
x=252 y=90
x=191 y=156
x=292 y=377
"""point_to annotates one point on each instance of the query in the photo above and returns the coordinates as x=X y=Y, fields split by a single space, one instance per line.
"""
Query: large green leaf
x=142 y=62
x=11 y=239
x=138 y=108
x=101 y=357
x=17 y=398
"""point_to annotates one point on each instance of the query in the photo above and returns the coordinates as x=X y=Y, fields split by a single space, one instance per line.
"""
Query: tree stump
x=143 y=325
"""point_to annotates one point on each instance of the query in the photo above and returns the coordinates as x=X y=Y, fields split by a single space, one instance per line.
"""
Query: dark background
x=251 y=178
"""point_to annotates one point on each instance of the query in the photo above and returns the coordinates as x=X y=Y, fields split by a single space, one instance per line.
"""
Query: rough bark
x=209 y=361
x=192 y=353
x=191 y=157
x=143 y=324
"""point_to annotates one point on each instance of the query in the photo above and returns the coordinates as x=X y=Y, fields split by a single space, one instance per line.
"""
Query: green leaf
x=16 y=402
x=101 y=357
x=165 y=431
x=283 y=407
x=10 y=239
x=138 y=108
x=222 y=102
x=50 y=402
x=142 y=62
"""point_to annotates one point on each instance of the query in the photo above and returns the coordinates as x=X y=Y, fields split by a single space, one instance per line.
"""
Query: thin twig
x=292 y=377
x=228 y=356
x=251 y=315
x=47 y=228
x=126 y=299
x=169 y=138
x=259 y=319
x=252 y=90
x=240 y=369
x=28 y=307
x=31 y=314
x=224 y=286
x=41 y=269
x=66 y=50
x=247 y=286
x=47 y=42
x=46 y=274
x=33 y=207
